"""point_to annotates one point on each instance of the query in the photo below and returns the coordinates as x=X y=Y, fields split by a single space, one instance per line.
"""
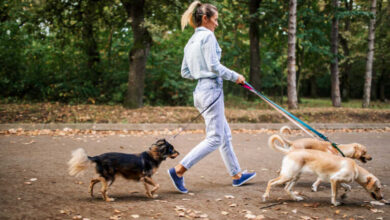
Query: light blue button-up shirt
x=201 y=57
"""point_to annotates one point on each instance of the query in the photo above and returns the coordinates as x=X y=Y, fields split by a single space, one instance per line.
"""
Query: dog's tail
x=78 y=163
x=283 y=130
x=273 y=145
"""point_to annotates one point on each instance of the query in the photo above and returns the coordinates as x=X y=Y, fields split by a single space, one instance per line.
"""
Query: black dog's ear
x=161 y=142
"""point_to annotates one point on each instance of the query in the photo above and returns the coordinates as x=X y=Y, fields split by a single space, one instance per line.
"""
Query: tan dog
x=313 y=144
x=354 y=150
x=328 y=167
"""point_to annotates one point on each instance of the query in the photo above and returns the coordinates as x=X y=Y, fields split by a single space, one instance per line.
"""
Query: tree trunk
x=299 y=64
x=334 y=66
x=291 y=78
x=138 y=53
x=370 y=58
x=254 y=73
x=90 y=45
x=345 y=87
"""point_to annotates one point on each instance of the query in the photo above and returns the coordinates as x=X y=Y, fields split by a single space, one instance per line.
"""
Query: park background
x=79 y=59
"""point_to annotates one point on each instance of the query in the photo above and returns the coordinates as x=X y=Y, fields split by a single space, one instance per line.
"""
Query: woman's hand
x=240 y=80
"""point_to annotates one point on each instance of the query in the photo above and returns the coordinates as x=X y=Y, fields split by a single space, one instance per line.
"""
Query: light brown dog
x=328 y=167
x=355 y=151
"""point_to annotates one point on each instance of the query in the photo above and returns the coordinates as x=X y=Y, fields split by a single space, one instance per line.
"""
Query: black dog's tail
x=79 y=162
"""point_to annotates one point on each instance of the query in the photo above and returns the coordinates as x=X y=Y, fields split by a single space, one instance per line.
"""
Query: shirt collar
x=201 y=28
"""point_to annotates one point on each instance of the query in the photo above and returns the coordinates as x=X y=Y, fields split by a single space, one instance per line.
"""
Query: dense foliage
x=76 y=51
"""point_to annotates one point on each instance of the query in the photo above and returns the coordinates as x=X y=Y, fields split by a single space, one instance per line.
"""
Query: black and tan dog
x=139 y=167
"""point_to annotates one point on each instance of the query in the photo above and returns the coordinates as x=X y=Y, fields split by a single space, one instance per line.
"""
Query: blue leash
x=290 y=116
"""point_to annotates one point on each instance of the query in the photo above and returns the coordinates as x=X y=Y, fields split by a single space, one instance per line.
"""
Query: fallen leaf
x=379 y=218
x=337 y=212
x=313 y=205
x=191 y=194
x=229 y=196
x=224 y=213
x=250 y=216
x=135 y=216
x=27 y=183
x=180 y=208
x=260 y=217
x=117 y=211
x=33 y=179
x=306 y=218
x=218 y=200
x=294 y=211
x=377 y=211
x=233 y=205
x=77 y=217
x=376 y=203
x=204 y=215
x=115 y=217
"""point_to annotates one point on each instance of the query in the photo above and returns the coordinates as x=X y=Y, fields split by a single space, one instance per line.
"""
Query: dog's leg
x=91 y=185
x=289 y=186
x=315 y=185
x=104 y=190
x=277 y=181
x=155 y=185
x=347 y=189
x=334 y=185
x=148 y=194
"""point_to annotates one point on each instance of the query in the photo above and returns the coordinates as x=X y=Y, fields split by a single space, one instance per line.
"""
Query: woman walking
x=201 y=62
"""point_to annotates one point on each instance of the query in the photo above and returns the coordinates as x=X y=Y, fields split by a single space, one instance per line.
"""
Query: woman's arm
x=211 y=58
x=185 y=71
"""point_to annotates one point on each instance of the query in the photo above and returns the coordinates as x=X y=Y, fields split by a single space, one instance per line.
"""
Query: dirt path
x=56 y=195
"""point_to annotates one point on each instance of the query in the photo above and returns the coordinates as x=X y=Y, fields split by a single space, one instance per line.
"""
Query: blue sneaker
x=245 y=177
x=178 y=182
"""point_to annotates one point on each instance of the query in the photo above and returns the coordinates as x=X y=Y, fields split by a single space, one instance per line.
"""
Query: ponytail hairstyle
x=195 y=12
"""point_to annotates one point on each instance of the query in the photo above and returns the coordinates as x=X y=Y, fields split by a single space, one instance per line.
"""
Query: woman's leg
x=214 y=119
x=228 y=155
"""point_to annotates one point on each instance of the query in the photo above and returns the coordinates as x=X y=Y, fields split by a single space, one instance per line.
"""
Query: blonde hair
x=200 y=10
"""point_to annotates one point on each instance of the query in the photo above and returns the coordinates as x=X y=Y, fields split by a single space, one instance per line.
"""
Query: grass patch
x=258 y=103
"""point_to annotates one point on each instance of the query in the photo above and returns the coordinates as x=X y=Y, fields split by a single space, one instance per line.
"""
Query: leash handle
x=290 y=116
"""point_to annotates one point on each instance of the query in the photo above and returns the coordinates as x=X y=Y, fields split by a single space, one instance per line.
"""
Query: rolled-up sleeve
x=212 y=61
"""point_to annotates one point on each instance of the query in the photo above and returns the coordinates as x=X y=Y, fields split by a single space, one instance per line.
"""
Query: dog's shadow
x=135 y=197
x=322 y=203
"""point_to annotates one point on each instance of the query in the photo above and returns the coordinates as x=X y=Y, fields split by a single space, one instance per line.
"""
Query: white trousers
x=218 y=134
